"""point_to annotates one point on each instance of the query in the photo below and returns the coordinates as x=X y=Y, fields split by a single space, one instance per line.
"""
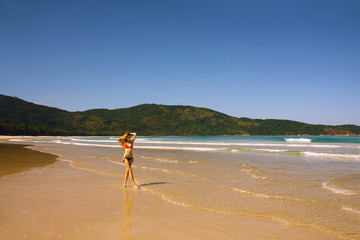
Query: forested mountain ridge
x=19 y=117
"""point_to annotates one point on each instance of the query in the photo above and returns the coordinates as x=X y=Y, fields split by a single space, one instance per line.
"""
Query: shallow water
x=312 y=182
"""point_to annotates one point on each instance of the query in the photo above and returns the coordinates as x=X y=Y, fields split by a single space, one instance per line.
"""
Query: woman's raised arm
x=134 y=134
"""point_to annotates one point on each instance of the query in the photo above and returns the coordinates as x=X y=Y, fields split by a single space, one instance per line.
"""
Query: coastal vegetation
x=19 y=117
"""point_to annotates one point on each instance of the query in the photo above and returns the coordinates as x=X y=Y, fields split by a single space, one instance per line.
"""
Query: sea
x=307 y=181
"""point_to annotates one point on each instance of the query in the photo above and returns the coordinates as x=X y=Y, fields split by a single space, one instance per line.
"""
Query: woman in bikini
x=127 y=143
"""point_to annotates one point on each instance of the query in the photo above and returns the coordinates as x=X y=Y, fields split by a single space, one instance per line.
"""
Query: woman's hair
x=123 y=138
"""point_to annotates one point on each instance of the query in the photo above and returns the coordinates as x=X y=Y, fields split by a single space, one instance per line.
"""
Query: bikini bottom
x=128 y=159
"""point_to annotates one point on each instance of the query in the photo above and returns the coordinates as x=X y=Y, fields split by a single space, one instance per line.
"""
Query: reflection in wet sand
x=127 y=229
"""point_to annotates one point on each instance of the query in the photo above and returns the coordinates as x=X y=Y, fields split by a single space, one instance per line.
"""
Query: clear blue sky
x=297 y=60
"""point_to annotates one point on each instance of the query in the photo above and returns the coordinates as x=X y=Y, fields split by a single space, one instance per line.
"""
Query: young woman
x=127 y=143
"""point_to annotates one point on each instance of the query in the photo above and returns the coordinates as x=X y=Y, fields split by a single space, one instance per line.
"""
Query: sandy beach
x=67 y=199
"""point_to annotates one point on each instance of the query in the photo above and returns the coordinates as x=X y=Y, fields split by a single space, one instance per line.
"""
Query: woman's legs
x=129 y=172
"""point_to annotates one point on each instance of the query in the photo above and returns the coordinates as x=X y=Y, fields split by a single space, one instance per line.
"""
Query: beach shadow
x=154 y=183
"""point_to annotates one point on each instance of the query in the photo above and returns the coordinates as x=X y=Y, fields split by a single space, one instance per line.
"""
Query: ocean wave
x=61 y=142
x=193 y=145
x=337 y=190
x=168 y=171
x=42 y=141
x=82 y=143
x=194 y=162
x=92 y=140
x=312 y=154
x=350 y=208
x=166 y=198
x=204 y=149
x=301 y=140
x=19 y=140
x=182 y=148
x=167 y=160
x=118 y=163
x=267 y=196
x=270 y=150
x=281 y=221
x=252 y=172
x=332 y=155
x=285 y=144
x=76 y=165
x=94 y=145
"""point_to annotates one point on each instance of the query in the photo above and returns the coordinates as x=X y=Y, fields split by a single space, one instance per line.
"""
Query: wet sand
x=16 y=158
x=66 y=201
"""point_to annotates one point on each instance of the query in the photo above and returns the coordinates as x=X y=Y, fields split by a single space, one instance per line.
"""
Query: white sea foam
x=261 y=195
x=94 y=145
x=351 y=209
x=285 y=144
x=271 y=150
x=65 y=160
x=252 y=172
x=301 y=140
x=182 y=148
x=119 y=163
x=37 y=141
x=92 y=140
x=258 y=177
x=204 y=149
x=161 y=159
x=194 y=162
x=337 y=190
x=187 y=145
x=247 y=169
x=168 y=171
x=312 y=154
x=61 y=142
x=332 y=155
x=167 y=199
x=156 y=169
x=19 y=140
x=281 y=221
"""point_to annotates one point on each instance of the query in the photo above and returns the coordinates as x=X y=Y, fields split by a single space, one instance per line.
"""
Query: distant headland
x=19 y=117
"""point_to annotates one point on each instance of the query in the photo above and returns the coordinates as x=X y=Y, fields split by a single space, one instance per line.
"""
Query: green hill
x=19 y=117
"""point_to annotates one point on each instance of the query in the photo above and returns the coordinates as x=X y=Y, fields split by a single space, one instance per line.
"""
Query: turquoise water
x=320 y=139
x=313 y=139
